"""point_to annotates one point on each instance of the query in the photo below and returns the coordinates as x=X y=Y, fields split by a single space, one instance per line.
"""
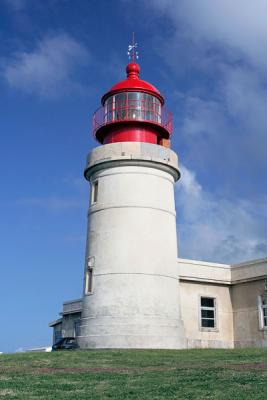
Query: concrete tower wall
x=132 y=251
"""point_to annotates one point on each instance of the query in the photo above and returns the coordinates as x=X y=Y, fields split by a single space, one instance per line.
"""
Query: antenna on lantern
x=132 y=52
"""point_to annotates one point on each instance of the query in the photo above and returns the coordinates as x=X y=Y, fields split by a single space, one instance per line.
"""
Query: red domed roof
x=133 y=84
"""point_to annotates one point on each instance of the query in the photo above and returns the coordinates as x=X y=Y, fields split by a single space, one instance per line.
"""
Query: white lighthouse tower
x=131 y=283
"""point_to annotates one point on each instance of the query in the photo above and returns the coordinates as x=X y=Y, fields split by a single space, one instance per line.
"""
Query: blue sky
x=208 y=58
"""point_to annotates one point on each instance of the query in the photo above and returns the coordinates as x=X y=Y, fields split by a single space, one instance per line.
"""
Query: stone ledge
x=132 y=153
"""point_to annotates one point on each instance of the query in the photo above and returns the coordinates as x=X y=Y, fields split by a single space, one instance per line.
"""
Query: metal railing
x=134 y=110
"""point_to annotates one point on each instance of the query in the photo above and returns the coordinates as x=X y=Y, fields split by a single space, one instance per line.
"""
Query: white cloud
x=218 y=46
x=220 y=43
x=229 y=130
x=238 y=25
x=216 y=229
x=48 y=70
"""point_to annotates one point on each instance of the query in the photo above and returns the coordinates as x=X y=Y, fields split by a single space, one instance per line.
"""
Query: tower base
x=131 y=285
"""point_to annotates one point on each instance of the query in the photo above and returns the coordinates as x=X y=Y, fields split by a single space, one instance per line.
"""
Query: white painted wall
x=197 y=337
x=132 y=237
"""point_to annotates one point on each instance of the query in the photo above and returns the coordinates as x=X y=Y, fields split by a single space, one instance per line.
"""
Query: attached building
x=222 y=306
x=69 y=323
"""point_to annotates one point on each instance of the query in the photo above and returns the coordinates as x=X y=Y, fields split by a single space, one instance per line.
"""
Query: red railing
x=134 y=110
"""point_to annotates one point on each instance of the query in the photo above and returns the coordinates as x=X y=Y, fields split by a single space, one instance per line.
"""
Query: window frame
x=214 y=308
x=89 y=276
x=89 y=281
x=261 y=308
x=57 y=334
x=77 y=327
x=94 y=192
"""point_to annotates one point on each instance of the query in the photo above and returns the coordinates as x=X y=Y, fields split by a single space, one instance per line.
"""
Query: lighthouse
x=131 y=296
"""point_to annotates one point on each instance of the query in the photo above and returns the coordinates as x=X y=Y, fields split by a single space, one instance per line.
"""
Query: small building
x=222 y=306
x=69 y=323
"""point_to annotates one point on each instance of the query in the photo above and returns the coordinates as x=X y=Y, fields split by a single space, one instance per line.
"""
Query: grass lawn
x=135 y=374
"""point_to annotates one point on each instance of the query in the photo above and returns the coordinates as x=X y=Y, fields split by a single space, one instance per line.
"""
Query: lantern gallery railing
x=132 y=110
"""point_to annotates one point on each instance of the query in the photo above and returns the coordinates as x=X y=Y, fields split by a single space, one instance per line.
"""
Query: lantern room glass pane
x=135 y=105
x=108 y=110
x=120 y=106
x=132 y=106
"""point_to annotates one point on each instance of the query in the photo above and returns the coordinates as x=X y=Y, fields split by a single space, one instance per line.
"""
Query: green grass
x=135 y=374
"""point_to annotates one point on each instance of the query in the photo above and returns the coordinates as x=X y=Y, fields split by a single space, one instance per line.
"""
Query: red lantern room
x=133 y=111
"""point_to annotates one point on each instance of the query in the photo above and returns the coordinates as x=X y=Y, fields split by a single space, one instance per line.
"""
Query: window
x=135 y=105
x=263 y=311
x=109 y=109
x=89 y=281
x=94 y=192
x=57 y=335
x=77 y=325
x=207 y=312
x=120 y=106
x=132 y=105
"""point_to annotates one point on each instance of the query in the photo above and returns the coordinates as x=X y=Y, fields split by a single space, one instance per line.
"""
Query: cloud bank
x=239 y=28
x=223 y=125
x=217 y=229
x=49 y=69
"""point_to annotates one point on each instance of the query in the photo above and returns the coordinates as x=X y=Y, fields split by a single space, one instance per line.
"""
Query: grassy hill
x=135 y=374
